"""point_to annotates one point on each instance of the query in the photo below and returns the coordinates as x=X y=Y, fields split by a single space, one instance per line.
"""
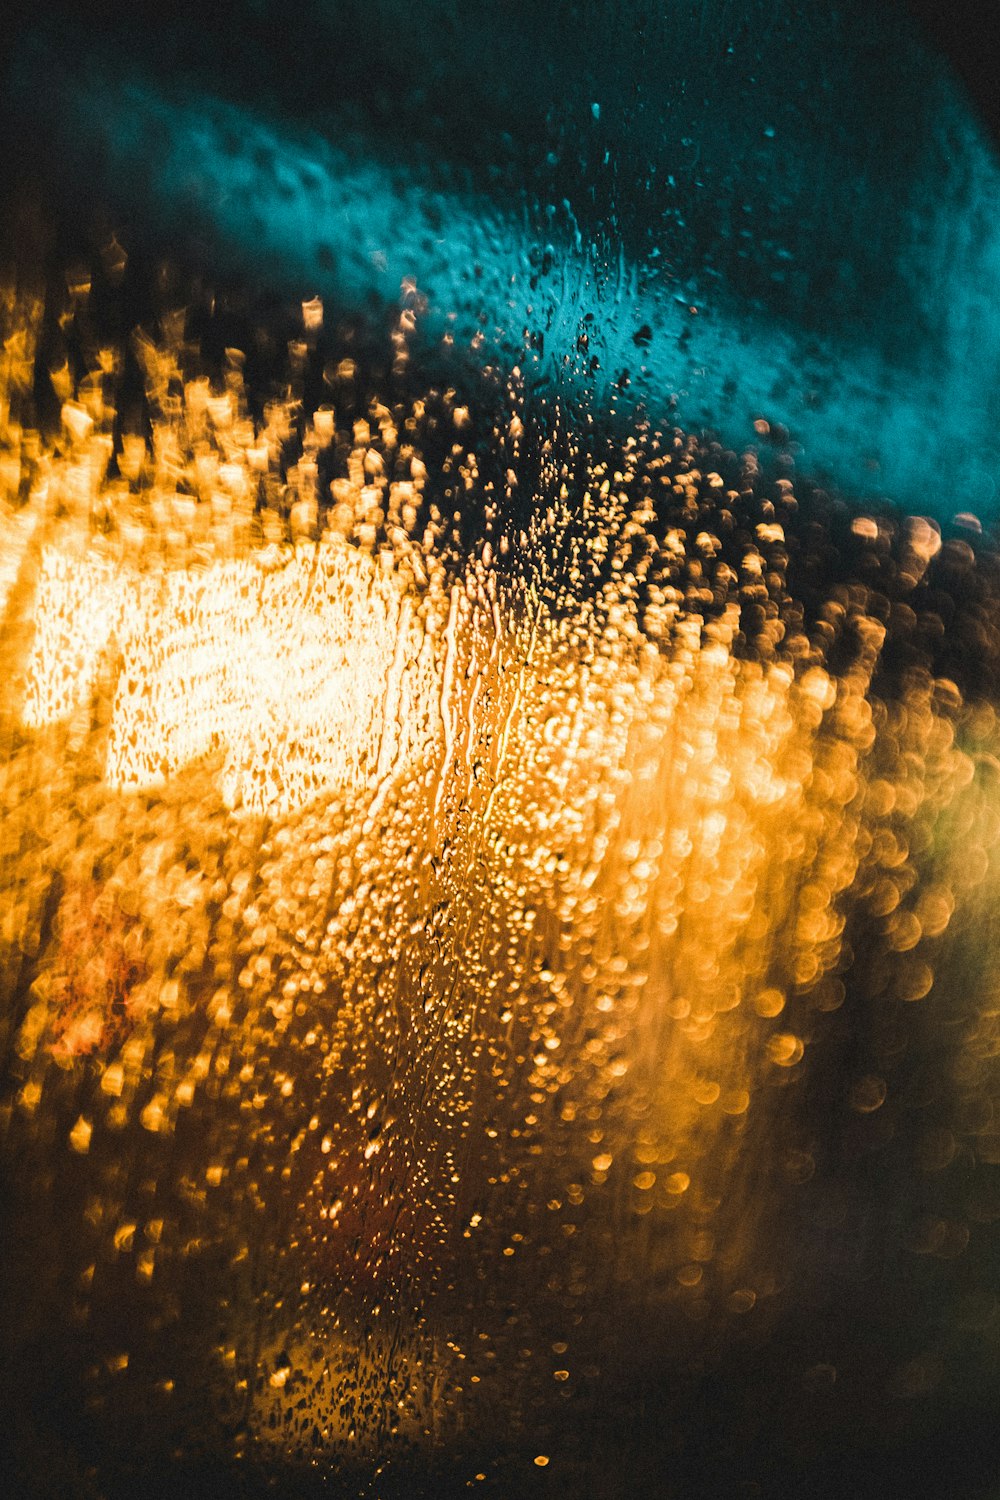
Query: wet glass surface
x=500 y=758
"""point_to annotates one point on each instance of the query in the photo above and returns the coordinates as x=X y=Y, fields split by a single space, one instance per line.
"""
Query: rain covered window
x=499 y=752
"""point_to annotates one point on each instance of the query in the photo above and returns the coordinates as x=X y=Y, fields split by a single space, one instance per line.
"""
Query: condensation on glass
x=498 y=880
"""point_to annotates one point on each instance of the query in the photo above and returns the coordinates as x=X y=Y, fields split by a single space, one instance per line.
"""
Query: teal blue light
x=317 y=216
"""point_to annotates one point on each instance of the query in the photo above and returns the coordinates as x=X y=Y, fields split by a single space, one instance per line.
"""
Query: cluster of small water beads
x=451 y=937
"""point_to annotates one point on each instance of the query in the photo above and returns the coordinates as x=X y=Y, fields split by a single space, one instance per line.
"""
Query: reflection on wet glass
x=497 y=943
x=498 y=883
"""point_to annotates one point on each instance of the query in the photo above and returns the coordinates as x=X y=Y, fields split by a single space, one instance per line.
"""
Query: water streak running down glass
x=498 y=865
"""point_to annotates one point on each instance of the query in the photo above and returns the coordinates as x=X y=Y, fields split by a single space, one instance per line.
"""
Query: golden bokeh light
x=408 y=917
